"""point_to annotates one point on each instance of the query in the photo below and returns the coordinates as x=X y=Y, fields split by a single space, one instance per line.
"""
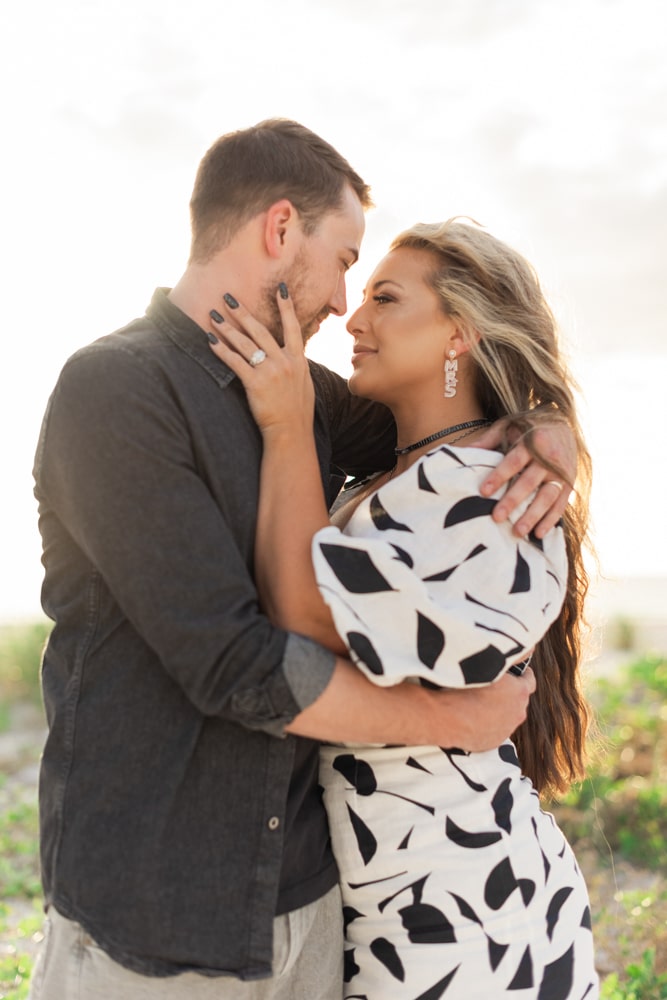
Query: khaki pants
x=307 y=964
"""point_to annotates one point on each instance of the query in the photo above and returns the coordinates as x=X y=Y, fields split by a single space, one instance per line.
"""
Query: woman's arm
x=292 y=507
x=291 y=510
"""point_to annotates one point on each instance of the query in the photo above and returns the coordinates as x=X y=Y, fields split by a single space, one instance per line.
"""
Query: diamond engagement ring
x=257 y=357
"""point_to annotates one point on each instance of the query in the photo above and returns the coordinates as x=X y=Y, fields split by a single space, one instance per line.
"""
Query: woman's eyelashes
x=382 y=299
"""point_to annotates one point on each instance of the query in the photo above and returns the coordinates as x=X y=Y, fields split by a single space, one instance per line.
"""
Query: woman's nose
x=355 y=322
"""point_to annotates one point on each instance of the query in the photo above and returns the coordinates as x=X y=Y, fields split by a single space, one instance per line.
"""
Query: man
x=184 y=845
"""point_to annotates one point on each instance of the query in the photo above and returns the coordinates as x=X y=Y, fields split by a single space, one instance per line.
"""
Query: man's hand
x=353 y=710
x=556 y=442
x=486 y=716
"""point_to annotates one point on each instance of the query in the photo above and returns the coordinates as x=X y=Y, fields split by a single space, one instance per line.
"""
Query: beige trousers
x=307 y=964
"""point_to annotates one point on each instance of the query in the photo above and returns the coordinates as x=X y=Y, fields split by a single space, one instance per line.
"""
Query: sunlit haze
x=543 y=120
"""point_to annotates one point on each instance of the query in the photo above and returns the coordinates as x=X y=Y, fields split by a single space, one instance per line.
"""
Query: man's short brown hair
x=245 y=172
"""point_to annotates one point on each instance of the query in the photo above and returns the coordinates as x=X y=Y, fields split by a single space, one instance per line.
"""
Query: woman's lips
x=361 y=352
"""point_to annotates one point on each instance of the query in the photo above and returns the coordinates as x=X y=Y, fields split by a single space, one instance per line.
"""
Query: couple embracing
x=278 y=762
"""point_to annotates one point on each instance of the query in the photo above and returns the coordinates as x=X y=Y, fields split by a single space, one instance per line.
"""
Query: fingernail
x=212 y=337
x=282 y=288
x=216 y=317
x=230 y=300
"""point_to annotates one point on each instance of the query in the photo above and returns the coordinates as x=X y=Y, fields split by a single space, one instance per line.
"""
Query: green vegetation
x=623 y=803
x=15 y=962
x=642 y=982
x=19 y=851
x=20 y=653
x=20 y=888
x=616 y=820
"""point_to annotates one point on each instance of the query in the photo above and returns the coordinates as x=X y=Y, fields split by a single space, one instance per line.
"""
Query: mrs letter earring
x=451 y=368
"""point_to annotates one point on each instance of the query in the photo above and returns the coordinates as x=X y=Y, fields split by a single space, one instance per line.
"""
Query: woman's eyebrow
x=383 y=281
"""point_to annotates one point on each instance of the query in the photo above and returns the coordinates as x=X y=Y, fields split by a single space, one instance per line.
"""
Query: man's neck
x=202 y=286
x=195 y=294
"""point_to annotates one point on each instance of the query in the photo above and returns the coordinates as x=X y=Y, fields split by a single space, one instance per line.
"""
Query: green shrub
x=622 y=804
x=641 y=981
x=19 y=851
x=15 y=964
x=21 y=648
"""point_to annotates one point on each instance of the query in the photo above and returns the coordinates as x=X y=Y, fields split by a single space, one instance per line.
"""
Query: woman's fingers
x=276 y=378
x=231 y=357
x=248 y=336
x=292 y=335
x=243 y=347
x=242 y=331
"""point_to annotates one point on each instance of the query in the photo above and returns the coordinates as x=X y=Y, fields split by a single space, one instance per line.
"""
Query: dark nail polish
x=230 y=300
x=282 y=288
x=215 y=315
x=212 y=337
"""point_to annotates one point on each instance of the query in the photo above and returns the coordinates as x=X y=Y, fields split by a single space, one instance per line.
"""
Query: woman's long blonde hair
x=495 y=297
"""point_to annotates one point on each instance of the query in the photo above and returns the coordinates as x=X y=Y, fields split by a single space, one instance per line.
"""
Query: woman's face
x=401 y=336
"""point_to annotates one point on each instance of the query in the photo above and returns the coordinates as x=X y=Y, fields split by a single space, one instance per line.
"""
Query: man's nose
x=338 y=303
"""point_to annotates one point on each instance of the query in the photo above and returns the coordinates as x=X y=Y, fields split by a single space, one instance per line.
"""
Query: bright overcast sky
x=546 y=121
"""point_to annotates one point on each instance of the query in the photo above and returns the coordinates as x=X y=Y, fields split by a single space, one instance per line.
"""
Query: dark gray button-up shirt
x=165 y=777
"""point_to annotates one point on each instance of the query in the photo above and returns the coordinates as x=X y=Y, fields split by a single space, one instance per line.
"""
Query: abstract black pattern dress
x=455 y=883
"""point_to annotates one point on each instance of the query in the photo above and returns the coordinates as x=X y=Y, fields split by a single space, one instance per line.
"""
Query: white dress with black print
x=455 y=883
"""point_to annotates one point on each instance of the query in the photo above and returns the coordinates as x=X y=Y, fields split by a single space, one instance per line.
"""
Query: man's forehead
x=348 y=223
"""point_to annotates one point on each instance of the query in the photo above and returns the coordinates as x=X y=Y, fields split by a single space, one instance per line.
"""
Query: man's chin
x=309 y=330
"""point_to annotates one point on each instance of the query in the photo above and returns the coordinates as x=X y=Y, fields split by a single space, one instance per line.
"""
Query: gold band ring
x=556 y=483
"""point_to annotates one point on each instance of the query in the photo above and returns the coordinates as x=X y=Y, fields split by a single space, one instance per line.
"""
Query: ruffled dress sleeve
x=423 y=583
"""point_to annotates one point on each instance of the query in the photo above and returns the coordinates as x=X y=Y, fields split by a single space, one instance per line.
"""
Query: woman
x=455 y=883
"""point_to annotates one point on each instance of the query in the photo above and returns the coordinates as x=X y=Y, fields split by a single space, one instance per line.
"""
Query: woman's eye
x=381 y=299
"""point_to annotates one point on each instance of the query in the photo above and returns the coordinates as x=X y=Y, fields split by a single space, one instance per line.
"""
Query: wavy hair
x=521 y=376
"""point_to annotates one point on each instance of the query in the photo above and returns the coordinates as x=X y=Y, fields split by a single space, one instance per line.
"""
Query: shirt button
x=274 y=823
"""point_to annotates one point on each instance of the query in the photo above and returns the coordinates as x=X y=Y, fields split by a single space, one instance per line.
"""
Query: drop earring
x=451 y=368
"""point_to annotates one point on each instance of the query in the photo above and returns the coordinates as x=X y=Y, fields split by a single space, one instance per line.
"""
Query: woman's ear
x=281 y=224
x=461 y=341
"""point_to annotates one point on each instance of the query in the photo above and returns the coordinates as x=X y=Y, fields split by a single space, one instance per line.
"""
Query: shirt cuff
x=308 y=668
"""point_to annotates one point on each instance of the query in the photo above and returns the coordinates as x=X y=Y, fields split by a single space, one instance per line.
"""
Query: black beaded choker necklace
x=441 y=434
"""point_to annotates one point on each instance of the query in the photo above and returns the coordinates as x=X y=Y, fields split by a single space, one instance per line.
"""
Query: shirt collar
x=187 y=335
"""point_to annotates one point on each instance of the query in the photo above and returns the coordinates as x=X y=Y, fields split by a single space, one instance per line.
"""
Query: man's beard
x=296 y=280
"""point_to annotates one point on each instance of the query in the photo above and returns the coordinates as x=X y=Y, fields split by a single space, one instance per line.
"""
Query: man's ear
x=282 y=223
